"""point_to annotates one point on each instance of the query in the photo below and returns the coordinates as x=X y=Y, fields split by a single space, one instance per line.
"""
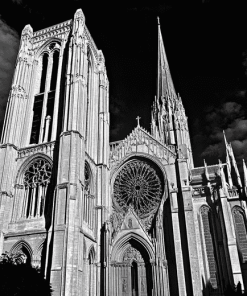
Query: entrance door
x=133 y=272
x=134 y=279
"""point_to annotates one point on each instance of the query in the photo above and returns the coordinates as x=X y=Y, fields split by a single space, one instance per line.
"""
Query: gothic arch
x=89 y=174
x=121 y=244
x=42 y=49
x=91 y=253
x=132 y=266
x=23 y=247
x=27 y=162
x=208 y=246
x=33 y=186
x=239 y=219
x=137 y=155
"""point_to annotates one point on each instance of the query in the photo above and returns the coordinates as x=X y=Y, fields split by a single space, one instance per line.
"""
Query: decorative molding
x=137 y=184
x=138 y=138
x=46 y=148
x=53 y=31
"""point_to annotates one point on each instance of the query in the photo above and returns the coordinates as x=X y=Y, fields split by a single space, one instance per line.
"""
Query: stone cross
x=138 y=120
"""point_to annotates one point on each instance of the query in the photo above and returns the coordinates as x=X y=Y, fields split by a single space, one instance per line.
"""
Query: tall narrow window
x=44 y=100
x=88 y=198
x=240 y=228
x=209 y=246
x=89 y=89
x=91 y=274
x=36 y=180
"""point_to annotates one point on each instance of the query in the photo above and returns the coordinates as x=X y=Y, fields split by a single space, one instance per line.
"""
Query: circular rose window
x=138 y=185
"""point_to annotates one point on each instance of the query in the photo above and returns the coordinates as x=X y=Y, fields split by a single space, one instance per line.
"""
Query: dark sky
x=206 y=46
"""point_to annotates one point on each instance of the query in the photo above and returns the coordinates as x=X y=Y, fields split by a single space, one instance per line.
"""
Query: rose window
x=138 y=185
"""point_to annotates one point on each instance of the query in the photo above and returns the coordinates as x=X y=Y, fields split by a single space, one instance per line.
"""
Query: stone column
x=186 y=206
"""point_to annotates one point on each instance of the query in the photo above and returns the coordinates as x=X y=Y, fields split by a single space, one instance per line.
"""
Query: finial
x=138 y=120
x=158 y=20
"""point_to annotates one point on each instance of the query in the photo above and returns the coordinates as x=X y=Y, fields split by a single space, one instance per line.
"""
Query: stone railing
x=46 y=148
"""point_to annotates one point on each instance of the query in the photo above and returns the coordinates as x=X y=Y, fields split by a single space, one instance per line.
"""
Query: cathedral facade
x=133 y=217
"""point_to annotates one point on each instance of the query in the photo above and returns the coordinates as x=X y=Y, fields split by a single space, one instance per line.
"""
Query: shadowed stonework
x=133 y=217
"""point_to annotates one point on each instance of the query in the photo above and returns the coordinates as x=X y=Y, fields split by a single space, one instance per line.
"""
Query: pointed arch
x=122 y=244
x=88 y=198
x=23 y=247
x=241 y=233
x=208 y=245
x=34 y=176
x=27 y=162
x=44 y=47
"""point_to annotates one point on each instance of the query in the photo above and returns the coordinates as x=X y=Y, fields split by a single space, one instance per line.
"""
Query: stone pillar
x=186 y=206
x=15 y=112
x=231 y=238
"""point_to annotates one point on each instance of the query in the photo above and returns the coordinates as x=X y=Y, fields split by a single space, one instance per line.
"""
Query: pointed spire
x=165 y=87
x=228 y=166
x=231 y=158
x=228 y=162
x=206 y=170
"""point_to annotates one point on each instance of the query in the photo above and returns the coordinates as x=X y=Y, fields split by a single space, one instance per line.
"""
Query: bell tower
x=54 y=154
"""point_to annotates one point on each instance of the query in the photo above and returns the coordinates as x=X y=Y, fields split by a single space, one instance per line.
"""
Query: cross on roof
x=138 y=120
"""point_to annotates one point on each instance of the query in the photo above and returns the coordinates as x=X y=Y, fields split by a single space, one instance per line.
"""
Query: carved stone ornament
x=132 y=254
x=139 y=186
x=38 y=173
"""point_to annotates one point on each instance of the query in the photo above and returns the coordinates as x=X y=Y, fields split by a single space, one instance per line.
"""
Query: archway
x=132 y=271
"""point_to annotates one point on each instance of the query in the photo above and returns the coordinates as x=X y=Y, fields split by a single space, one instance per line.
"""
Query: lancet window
x=44 y=99
x=91 y=273
x=89 y=90
x=88 y=198
x=36 y=181
x=240 y=228
x=208 y=239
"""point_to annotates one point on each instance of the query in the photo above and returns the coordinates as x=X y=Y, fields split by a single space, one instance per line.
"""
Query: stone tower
x=133 y=217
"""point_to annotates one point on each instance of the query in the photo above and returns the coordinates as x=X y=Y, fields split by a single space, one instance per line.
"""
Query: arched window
x=88 y=197
x=208 y=245
x=89 y=91
x=22 y=251
x=43 y=106
x=91 y=258
x=240 y=228
x=36 y=180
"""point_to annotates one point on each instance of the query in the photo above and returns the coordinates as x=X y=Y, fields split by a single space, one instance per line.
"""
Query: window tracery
x=209 y=246
x=138 y=185
x=36 y=180
x=241 y=234
x=44 y=100
x=88 y=198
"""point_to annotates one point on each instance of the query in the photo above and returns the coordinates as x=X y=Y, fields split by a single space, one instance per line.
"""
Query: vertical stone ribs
x=240 y=228
x=209 y=246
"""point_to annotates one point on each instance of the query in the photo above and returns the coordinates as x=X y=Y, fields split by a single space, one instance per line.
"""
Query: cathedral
x=132 y=217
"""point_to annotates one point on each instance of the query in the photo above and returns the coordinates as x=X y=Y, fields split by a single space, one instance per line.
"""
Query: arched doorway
x=132 y=273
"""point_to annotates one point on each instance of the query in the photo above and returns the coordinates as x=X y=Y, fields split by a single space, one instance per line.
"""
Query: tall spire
x=228 y=162
x=165 y=87
x=230 y=156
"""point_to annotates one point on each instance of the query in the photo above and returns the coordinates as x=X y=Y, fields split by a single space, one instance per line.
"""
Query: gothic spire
x=230 y=158
x=165 y=87
x=228 y=162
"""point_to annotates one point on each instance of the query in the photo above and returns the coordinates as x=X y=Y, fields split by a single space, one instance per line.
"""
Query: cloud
x=232 y=118
x=9 y=43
